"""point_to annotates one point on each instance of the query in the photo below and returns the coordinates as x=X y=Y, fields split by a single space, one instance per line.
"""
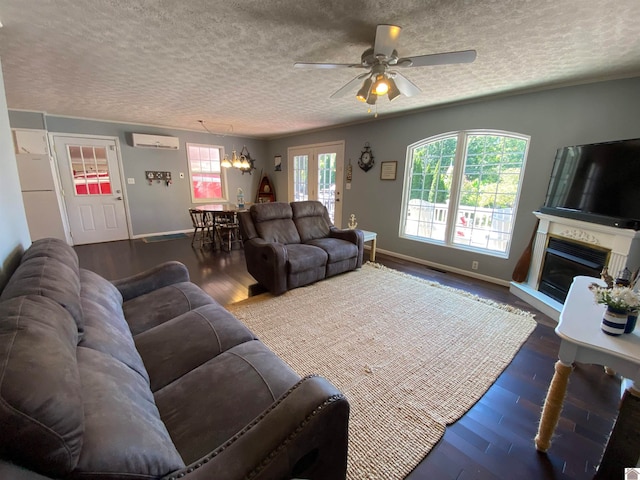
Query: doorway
x=91 y=181
x=315 y=173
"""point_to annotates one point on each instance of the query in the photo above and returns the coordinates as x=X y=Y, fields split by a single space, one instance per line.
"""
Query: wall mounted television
x=597 y=183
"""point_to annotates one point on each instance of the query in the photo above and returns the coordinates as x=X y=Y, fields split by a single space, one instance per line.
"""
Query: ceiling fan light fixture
x=363 y=93
x=381 y=85
x=394 y=92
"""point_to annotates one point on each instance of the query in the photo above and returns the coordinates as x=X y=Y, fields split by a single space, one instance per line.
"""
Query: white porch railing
x=475 y=226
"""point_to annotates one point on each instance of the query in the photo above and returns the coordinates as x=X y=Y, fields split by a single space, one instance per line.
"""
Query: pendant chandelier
x=242 y=162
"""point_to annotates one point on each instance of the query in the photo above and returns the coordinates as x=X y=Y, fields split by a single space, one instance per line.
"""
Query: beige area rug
x=411 y=356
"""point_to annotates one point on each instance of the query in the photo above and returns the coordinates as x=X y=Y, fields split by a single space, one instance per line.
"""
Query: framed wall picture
x=277 y=161
x=388 y=170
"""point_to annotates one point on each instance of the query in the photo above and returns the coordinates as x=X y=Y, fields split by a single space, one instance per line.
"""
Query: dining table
x=225 y=221
x=223 y=207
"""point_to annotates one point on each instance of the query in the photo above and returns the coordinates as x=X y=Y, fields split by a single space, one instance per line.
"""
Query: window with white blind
x=207 y=178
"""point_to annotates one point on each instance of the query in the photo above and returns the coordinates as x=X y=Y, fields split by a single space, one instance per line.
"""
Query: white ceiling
x=230 y=62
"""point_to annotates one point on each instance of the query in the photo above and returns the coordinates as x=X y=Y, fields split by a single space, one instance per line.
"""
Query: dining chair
x=203 y=223
x=227 y=229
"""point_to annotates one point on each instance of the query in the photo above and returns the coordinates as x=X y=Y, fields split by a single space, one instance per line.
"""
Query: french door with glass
x=315 y=173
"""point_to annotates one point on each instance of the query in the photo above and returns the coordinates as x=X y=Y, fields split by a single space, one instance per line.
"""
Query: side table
x=582 y=340
x=371 y=236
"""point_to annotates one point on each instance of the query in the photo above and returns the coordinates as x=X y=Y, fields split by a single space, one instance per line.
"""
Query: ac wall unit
x=155 y=141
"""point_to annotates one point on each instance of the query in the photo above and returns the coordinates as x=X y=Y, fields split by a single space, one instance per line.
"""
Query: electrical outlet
x=131 y=181
x=474 y=265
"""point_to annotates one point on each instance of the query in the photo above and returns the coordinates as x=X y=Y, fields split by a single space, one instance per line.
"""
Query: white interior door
x=90 y=177
x=315 y=173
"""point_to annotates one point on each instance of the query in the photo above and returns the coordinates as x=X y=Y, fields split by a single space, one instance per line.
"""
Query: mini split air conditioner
x=155 y=141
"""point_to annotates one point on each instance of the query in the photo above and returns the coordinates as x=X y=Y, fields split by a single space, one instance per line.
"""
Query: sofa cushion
x=336 y=249
x=52 y=248
x=273 y=222
x=183 y=343
x=213 y=390
x=311 y=219
x=97 y=288
x=105 y=328
x=109 y=333
x=124 y=436
x=48 y=277
x=303 y=257
x=41 y=410
x=152 y=309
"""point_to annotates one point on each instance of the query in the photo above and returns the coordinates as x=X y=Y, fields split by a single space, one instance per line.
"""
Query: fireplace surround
x=564 y=248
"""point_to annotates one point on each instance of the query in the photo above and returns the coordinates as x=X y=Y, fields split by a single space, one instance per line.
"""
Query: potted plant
x=622 y=307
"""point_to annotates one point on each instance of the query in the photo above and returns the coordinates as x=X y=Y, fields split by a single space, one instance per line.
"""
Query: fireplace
x=565 y=259
x=564 y=248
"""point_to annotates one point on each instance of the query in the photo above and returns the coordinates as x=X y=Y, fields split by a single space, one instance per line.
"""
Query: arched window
x=461 y=189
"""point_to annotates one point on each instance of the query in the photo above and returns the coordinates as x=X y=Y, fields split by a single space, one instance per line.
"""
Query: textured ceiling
x=230 y=63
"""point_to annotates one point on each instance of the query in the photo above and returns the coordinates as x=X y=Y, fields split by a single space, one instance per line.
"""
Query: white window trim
x=463 y=136
x=223 y=175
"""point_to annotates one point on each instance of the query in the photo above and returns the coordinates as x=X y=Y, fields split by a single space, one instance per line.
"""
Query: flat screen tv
x=597 y=183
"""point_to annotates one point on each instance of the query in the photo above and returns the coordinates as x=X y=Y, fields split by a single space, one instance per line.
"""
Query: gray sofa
x=148 y=377
x=288 y=245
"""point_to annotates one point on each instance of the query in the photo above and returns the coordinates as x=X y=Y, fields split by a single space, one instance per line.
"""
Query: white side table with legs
x=582 y=340
x=370 y=236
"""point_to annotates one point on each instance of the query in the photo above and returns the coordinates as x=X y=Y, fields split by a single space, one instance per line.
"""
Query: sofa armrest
x=160 y=276
x=350 y=235
x=267 y=262
x=303 y=434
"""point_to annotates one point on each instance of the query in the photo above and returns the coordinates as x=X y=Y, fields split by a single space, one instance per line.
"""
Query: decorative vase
x=614 y=321
x=632 y=318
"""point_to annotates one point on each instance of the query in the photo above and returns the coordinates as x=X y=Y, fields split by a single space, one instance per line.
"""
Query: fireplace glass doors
x=565 y=259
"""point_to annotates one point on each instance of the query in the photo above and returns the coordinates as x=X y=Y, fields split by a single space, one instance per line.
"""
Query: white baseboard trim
x=142 y=235
x=446 y=268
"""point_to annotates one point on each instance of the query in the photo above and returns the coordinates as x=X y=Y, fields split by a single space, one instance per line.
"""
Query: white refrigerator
x=43 y=207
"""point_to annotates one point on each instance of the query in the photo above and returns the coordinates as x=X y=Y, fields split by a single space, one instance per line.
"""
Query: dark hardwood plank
x=494 y=439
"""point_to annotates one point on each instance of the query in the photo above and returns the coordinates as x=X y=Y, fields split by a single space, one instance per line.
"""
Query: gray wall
x=14 y=236
x=553 y=118
x=157 y=208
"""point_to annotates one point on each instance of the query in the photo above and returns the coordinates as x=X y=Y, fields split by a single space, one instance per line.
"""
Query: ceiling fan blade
x=326 y=65
x=406 y=86
x=349 y=87
x=386 y=39
x=465 y=56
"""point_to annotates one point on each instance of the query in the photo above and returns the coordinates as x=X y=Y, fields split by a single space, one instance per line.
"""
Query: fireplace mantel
x=624 y=245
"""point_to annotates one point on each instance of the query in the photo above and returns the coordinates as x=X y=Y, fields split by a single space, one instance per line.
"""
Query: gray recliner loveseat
x=149 y=378
x=288 y=245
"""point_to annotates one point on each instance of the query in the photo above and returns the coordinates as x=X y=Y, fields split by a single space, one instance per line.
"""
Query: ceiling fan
x=380 y=61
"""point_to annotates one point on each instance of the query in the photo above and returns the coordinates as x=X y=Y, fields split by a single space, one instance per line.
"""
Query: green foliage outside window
x=491 y=176
x=485 y=190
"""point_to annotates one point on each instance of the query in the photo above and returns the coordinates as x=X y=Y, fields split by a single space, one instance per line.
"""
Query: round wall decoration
x=366 y=158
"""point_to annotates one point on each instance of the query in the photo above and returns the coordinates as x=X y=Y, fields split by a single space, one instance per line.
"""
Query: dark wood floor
x=493 y=440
